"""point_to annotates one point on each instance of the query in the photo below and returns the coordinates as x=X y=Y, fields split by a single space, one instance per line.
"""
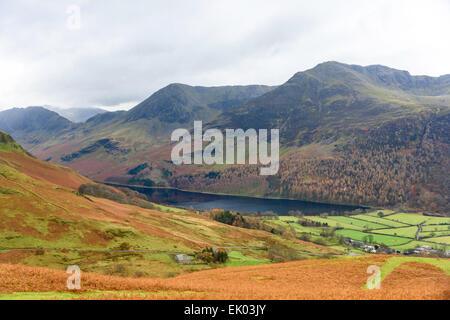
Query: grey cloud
x=124 y=51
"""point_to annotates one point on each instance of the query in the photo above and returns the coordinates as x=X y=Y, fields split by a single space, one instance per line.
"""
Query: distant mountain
x=32 y=119
x=182 y=103
x=33 y=125
x=76 y=114
x=129 y=132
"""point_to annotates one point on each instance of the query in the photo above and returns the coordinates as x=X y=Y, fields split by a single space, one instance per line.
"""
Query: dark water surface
x=205 y=201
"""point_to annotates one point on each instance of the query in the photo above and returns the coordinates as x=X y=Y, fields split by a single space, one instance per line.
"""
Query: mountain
x=334 y=98
x=32 y=119
x=76 y=114
x=33 y=125
x=183 y=104
x=349 y=134
x=102 y=145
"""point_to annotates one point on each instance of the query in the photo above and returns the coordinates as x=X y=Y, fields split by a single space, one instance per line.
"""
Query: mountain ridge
x=182 y=103
x=370 y=128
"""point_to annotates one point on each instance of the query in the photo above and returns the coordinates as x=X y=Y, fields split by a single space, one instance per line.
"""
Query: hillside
x=44 y=214
x=33 y=125
x=335 y=100
x=401 y=278
x=8 y=144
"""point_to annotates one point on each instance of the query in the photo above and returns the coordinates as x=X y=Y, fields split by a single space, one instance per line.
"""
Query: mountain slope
x=101 y=146
x=8 y=144
x=41 y=208
x=183 y=104
x=334 y=96
x=349 y=134
x=33 y=125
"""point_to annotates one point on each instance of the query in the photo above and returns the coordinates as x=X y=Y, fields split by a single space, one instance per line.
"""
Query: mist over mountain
x=76 y=114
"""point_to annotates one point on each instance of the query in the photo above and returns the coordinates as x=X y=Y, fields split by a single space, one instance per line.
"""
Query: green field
x=334 y=223
x=433 y=234
x=396 y=230
x=288 y=222
x=436 y=228
x=237 y=259
x=414 y=244
x=375 y=213
x=408 y=232
x=383 y=221
x=357 y=222
x=377 y=238
x=445 y=240
x=415 y=219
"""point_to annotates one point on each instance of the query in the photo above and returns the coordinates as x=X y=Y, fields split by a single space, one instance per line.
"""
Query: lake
x=204 y=201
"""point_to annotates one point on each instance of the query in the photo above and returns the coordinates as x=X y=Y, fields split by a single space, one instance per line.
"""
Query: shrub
x=221 y=255
x=209 y=255
x=225 y=217
x=124 y=246
x=320 y=241
x=119 y=269
x=102 y=191
x=305 y=237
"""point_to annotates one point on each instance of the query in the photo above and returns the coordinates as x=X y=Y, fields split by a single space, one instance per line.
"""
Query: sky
x=114 y=54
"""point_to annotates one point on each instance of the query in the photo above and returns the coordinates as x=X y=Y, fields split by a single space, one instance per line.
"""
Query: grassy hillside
x=42 y=211
x=8 y=144
x=47 y=225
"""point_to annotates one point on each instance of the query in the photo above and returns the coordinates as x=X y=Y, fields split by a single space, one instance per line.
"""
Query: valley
x=226 y=154
x=349 y=135
x=364 y=156
x=135 y=249
x=45 y=221
x=389 y=231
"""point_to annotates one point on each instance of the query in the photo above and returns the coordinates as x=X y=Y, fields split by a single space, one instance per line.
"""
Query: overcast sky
x=120 y=52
